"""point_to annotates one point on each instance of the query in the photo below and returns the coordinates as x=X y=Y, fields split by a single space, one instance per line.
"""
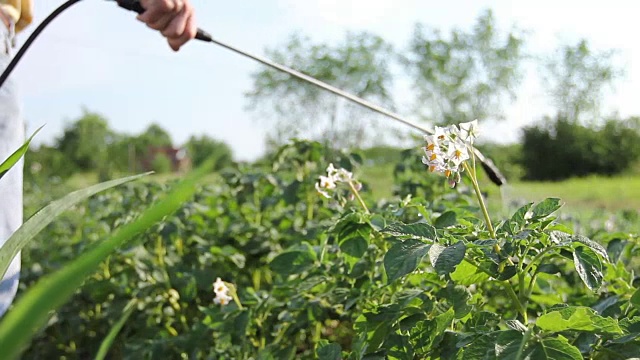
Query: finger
x=178 y=24
x=155 y=10
x=189 y=33
x=162 y=23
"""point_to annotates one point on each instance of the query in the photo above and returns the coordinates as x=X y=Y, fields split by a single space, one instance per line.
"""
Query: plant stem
x=357 y=196
x=525 y=340
x=483 y=207
x=537 y=257
x=514 y=297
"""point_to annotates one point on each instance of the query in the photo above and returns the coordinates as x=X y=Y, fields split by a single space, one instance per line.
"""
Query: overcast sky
x=99 y=56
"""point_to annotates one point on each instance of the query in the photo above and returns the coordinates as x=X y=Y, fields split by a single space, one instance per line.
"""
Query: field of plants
x=258 y=264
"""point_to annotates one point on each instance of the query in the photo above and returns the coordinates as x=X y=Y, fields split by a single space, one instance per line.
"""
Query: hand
x=174 y=19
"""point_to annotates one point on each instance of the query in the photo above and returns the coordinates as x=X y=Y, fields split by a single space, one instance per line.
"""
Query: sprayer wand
x=134 y=5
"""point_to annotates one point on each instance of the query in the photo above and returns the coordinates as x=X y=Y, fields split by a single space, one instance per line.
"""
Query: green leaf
x=444 y=259
x=354 y=246
x=467 y=274
x=32 y=310
x=293 y=261
x=7 y=164
x=553 y=349
x=448 y=218
x=459 y=297
x=111 y=336
x=329 y=351
x=418 y=231
x=628 y=351
x=548 y=269
x=635 y=299
x=615 y=248
x=588 y=266
x=427 y=334
x=509 y=345
x=545 y=208
x=597 y=248
x=27 y=232
x=404 y=258
x=482 y=347
x=518 y=220
x=516 y=325
x=577 y=318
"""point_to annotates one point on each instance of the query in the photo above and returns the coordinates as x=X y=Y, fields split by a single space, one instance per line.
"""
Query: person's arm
x=174 y=19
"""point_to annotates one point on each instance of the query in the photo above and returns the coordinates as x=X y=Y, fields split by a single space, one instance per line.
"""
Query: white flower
x=222 y=292
x=222 y=299
x=447 y=149
x=333 y=178
x=327 y=182
x=443 y=134
x=219 y=287
x=469 y=131
x=457 y=153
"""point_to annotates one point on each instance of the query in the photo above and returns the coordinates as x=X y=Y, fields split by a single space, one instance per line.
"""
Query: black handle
x=134 y=5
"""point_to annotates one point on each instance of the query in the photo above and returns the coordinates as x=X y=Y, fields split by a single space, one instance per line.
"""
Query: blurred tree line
x=88 y=144
x=456 y=77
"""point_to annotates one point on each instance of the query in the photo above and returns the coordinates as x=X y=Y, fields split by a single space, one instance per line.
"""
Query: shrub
x=560 y=149
x=161 y=164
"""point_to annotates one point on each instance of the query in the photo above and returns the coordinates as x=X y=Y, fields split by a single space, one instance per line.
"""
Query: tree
x=467 y=76
x=153 y=136
x=202 y=148
x=359 y=65
x=85 y=141
x=576 y=77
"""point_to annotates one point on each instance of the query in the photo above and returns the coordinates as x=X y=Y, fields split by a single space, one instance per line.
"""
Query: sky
x=99 y=57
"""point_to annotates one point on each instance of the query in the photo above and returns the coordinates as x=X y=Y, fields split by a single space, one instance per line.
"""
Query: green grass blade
x=31 y=312
x=111 y=336
x=15 y=157
x=21 y=237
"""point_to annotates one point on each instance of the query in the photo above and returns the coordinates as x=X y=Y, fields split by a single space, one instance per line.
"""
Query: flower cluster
x=448 y=148
x=222 y=292
x=335 y=177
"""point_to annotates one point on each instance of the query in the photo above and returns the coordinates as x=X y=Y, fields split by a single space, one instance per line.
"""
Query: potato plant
x=428 y=274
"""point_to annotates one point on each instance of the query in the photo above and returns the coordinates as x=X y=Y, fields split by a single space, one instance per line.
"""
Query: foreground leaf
x=293 y=261
x=553 y=349
x=509 y=345
x=50 y=292
x=445 y=259
x=26 y=233
x=7 y=164
x=404 y=257
x=419 y=231
x=467 y=274
x=589 y=267
x=111 y=336
x=329 y=351
x=448 y=218
x=545 y=208
x=577 y=318
x=597 y=248
x=518 y=220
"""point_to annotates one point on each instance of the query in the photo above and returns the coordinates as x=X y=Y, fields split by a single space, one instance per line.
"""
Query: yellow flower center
x=433 y=157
